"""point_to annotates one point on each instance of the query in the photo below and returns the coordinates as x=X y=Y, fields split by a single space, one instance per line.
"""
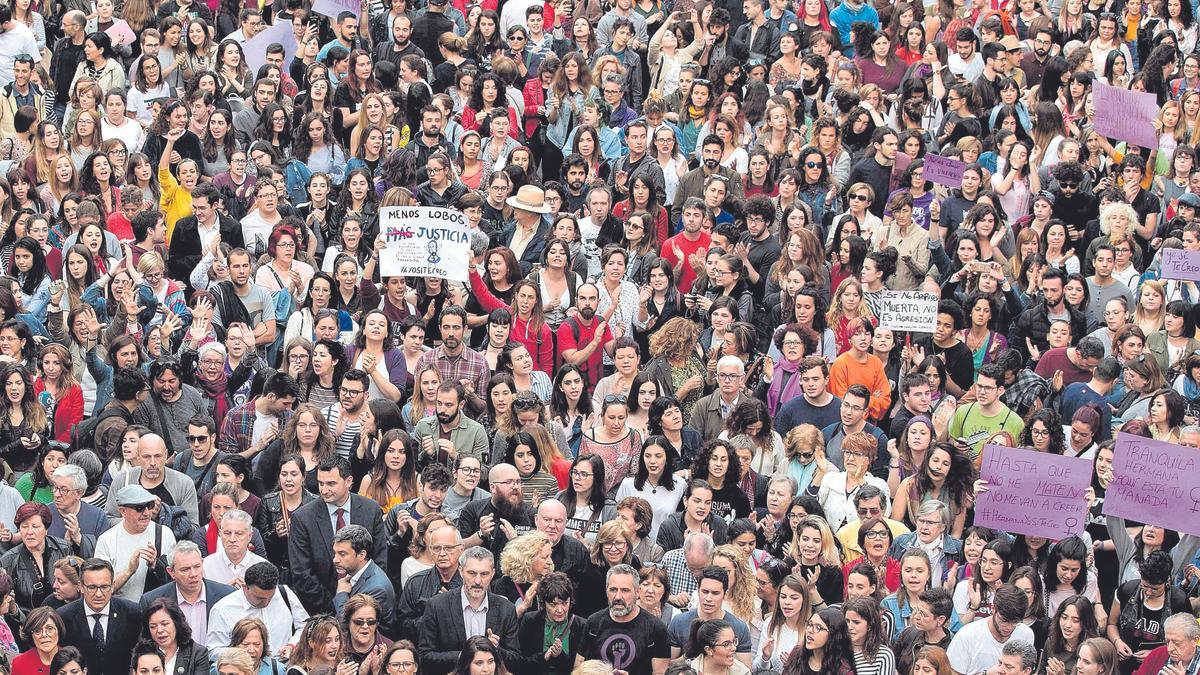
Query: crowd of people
x=659 y=426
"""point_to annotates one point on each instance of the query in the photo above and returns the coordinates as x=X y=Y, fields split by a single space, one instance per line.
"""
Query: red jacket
x=622 y=210
x=540 y=343
x=67 y=413
x=1155 y=660
x=534 y=98
x=470 y=122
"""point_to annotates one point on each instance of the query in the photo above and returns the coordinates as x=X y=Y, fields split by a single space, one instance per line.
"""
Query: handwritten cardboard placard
x=424 y=241
x=1125 y=115
x=1155 y=482
x=1033 y=493
x=914 y=311
x=944 y=171
x=331 y=8
x=1178 y=263
x=256 y=47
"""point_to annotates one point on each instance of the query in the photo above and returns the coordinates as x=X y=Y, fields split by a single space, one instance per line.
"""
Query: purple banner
x=1155 y=482
x=331 y=8
x=944 y=171
x=1125 y=115
x=256 y=47
x=1178 y=263
x=1033 y=493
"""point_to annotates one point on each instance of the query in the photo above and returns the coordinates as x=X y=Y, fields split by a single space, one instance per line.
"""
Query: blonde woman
x=742 y=592
x=372 y=114
x=1151 y=306
x=235 y=660
x=523 y=563
x=667 y=55
x=613 y=546
x=815 y=552
x=804 y=448
x=847 y=304
x=1116 y=223
x=1172 y=130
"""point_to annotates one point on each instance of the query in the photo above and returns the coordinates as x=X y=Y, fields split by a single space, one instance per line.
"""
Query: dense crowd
x=659 y=426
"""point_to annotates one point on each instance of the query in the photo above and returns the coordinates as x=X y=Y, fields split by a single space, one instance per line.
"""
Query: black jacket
x=310 y=548
x=765 y=46
x=186 y=252
x=31 y=586
x=417 y=592
x=1034 y=323
x=124 y=629
x=670 y=533
x=443 y=630
x=270 y=511
x=530 y=636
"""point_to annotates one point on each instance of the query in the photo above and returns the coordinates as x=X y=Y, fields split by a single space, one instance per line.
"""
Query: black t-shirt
x=960 y=363
x=630 y=646
x=730 y=502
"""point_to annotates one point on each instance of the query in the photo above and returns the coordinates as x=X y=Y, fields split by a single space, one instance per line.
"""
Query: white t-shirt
x=256 y=231
x=261 y=424
x=14 y=42
x=974 y=649
x=117 y=547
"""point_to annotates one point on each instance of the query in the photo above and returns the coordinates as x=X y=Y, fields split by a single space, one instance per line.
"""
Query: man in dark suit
x=357 y=573
x=104 y=628
x=310 y=541
x=70 y=517
x=194 y=594
x=187 y=243
x=451 y=618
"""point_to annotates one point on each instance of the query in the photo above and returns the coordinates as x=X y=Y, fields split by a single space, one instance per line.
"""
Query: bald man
x=570 y=556
x=172 y=487
x=446 y=545
x=492 y=522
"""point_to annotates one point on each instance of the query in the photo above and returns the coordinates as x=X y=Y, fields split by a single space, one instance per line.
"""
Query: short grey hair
x=731 y=360
x=476 y=553
x=743 y=441
x=357 y=536
x=182 y=547
x=1027 y=652
x=1184 y=623
x=479 y=241
x=76 y=474
x=699 y=540
x=622 y=569
x=238 y=516
x=870 y=492
x=788 y=481
x=1189 y=429
x=934 y=506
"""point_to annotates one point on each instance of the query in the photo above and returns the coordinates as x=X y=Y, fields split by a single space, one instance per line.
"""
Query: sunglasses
x=859 y=198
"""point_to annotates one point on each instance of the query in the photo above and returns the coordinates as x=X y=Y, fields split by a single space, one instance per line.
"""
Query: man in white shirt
x=977 y=647
x=130 y=546
x=258 y=224
x=16 y=39
x=260 y=598
x=233 y=557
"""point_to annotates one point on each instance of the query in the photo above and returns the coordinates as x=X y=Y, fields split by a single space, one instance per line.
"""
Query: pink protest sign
x=1125 y=115
x=1155 y=482
x=1178 y=263
x=1033 y=493
x=331 y=8
x=944 y=171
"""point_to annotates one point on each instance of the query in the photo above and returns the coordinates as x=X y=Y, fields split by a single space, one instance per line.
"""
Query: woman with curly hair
x=523 y=563
x=719 y=465
x=674 y=366
x=1043 y=432
x=742 y=592
x=946 y=475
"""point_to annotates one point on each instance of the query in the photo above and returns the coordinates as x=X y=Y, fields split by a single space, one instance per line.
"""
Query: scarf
x=777 y=387
x=217 y=390
x=695 y=115
x=552 y=631
x=210 y=536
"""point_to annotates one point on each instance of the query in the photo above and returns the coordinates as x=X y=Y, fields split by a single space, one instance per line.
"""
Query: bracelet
x=893 y=466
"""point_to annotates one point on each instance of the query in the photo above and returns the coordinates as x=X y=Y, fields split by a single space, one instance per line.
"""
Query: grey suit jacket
x=213 y=592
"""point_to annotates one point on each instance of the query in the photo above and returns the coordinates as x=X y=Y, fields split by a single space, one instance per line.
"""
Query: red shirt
x=566 y=340
x=687 y=275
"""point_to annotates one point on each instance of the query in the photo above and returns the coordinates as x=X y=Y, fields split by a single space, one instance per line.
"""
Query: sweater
x=847 y=371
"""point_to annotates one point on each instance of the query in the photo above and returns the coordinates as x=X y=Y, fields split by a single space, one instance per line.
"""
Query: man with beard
x=448 y=433
x=199 y=461
x=876 y=170
x=479 y=614
x=580 y=337
x=570 y=556
x=430 y=140
x=712 y=148
x=455 y=361
x=152 y=474
x=170 y=406
x=238 y=300
x=130 y=545
x=1034 y=62
x=357 y=573
x=574 y=171
x=400 y=45
x=250 y=427
x=1033 y=325
x=493 y=522
x=690 y=246
x=758 y=249
x=624 y=636
x=345 y=418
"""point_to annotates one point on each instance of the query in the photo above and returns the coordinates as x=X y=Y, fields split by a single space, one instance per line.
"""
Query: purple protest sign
x=1155 y=482
x=1033 y=493
x=256 y=47
x=1125 y=115
x=1178 y=263
x=331 y=8
x=944 y=171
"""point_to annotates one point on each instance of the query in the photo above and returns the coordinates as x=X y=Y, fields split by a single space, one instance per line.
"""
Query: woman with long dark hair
x=655 y=480
x=826 y=649
x=585 y=497
x=393 y=477
x=24 y=428
x=350 y=92
x=947 y=475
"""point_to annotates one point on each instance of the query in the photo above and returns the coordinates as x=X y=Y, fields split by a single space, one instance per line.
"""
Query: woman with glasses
x=973 y=595
x=284 y=272
x=44 y=630
x=613 y=546
x=274 y=516
x=363 y=643
x=825 y=648
x=711 y=649
x=585 y=496
x=875 y=541
x=399 y=659
x=835 y=489
x=164 y=625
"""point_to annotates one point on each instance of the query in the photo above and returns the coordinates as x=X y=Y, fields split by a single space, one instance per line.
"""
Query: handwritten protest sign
x=914 y=311
x=1178 y=263
x=1155 y=482
x=332 y=8
x=424 y=241
x=944 y=171
x=1033 y=493
x=1125 y=115
x=256 y=47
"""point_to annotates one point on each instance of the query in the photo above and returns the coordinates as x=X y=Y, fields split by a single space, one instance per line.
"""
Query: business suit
x=124 y=628
x=310 y=548
x=191 y=660
x=185 y=248
x=213 y=592
x=92 y=523
x=443 y=630
x=375 y=583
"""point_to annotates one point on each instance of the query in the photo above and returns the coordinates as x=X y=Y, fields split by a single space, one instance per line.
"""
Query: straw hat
x=529 y=198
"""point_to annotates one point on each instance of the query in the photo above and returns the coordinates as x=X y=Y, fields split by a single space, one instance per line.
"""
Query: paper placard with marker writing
x=424 y=241
x=1033 y=493
x=1155 y=482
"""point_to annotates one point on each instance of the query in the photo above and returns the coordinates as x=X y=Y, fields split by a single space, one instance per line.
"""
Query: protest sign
x=120 y=33
x=331 y=8
x=1125 y=115
x=1033 y=493
x=944 y=171
x=256 y=47
x=914 y=311
x=1178 y=263
x=424 y=241
x=1155 y=482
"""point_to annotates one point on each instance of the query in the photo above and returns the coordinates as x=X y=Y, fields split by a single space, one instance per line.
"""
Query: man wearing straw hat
x=526 y=235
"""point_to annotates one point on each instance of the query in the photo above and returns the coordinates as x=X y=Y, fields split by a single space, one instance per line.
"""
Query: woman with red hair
x=284 y=272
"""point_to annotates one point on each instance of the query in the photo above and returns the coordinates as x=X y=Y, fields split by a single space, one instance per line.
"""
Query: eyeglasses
x=365 y=623
x=728 y=377
x=859 y=198
x=854 y=453
x=470 y=470
x=1039 y=432
x=351 y=392
x=402 y=665
x=285 y=244
x=876 y=534
x=576 y=473
x=197 y=439
x=726 y=644
x=97 y=588
x=60 y=490
x=614 y=545
x=615 y=398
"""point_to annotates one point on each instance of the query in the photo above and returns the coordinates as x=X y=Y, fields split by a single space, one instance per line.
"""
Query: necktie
x=98 y=630
x=341 y=518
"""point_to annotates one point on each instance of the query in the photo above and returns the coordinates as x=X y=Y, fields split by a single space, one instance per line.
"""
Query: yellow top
x=176 y=202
